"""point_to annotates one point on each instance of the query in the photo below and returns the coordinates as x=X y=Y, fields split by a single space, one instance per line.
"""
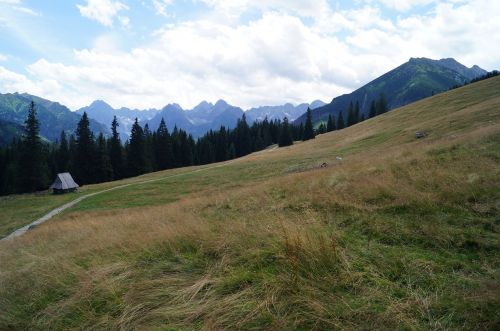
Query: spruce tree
x=322 y=128
x=356 y=113
x=149 y=155
x=163 y=147
x=84 y=158
x=373 y=110
x=31 y=174
x=330 y=125
x=63 y=154
x=381 y=104
x=136 y=153
x=104 y=170
x=308 y=127
x=350 y=114
x=285 y=138
x=116 y=151
x=243 y=142
x=231 y=152
x=340 y=122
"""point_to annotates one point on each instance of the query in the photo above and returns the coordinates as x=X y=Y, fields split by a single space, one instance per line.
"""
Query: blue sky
x=147 y=53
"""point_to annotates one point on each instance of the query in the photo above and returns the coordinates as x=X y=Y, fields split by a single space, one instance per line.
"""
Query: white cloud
x=17 y=6
x=275 y=59
x=26 y=10
x=305 y=8
x=103 y=11
x=161 y=6
x=3 y=57
x=405 y=5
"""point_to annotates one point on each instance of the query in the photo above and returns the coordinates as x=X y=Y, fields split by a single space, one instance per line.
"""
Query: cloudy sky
x=147 y=53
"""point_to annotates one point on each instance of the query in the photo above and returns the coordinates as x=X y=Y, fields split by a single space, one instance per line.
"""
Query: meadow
x=395 y=233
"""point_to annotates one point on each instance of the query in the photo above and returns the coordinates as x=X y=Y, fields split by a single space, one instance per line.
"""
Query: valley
x=393 y=233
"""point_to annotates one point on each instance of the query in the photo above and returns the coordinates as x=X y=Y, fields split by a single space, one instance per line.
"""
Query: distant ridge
x=197 y=121
x=414 y=80
x=53 y=117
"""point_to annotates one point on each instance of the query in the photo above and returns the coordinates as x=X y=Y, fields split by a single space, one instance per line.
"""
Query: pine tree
x=231 y=152
x=330 y=125
x=381 y=104
x=149 y=155
x=116 y=151
x=308 y=128
x=322 y=128
x=63 y=154
x=285 y=138
x=373 y=110
x=136 y=153
x=164 y=150
x=340 y=122
x=350 y=115
x=356 y=113
x=243 y=141
x=104 y=170
x=31 y=175
x=84 y=158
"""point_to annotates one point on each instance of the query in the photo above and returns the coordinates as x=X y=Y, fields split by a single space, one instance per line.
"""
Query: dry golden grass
x=399 y=234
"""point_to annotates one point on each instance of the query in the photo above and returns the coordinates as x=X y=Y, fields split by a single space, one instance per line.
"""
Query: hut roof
x=64 y=181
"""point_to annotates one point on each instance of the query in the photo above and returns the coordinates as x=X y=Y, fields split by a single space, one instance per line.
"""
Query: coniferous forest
x=29 y=164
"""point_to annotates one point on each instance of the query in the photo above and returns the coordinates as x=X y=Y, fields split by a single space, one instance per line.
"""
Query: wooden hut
x=64 y=183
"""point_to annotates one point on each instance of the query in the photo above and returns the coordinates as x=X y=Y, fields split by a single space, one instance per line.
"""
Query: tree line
x=30 y=164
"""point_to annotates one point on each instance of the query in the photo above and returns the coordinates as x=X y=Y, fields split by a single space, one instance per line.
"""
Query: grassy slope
x=401 y=233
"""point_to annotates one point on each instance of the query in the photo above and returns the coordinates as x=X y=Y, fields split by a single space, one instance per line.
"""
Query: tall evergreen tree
x=136 y=153
x=164 y=152
x=149 y=155
x=308 y=127
x=231 y=152
x=285 y=138
x=104 y=170
x=84 y=158
x=340 y=122
x=350 y=114
x=373 y=110
x=63 y=154
x=321 y=128
x=32 y=175
x=381 y=104
x=116 y=151
x=243 y=142
x=330 y=125
x=356 y=113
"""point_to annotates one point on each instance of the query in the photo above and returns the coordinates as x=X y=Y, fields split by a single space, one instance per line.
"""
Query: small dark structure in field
x=420 y=134
x=64 y=183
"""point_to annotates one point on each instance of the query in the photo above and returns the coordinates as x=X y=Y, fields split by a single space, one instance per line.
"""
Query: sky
x=148 y=53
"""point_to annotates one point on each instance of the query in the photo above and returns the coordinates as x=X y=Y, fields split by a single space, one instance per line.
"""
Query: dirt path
x=70 y=204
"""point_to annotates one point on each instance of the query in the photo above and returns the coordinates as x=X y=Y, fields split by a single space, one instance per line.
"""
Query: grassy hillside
x=53 y=117
x=399 y=233
x=412 y=81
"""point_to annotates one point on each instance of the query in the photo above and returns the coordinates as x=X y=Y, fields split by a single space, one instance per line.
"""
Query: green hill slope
x=53 y=117
x=414 y=80
x=396 y=233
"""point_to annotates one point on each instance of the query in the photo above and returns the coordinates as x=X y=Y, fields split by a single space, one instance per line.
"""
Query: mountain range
x=414 y=80
x=197 y=121
x=53 y=117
